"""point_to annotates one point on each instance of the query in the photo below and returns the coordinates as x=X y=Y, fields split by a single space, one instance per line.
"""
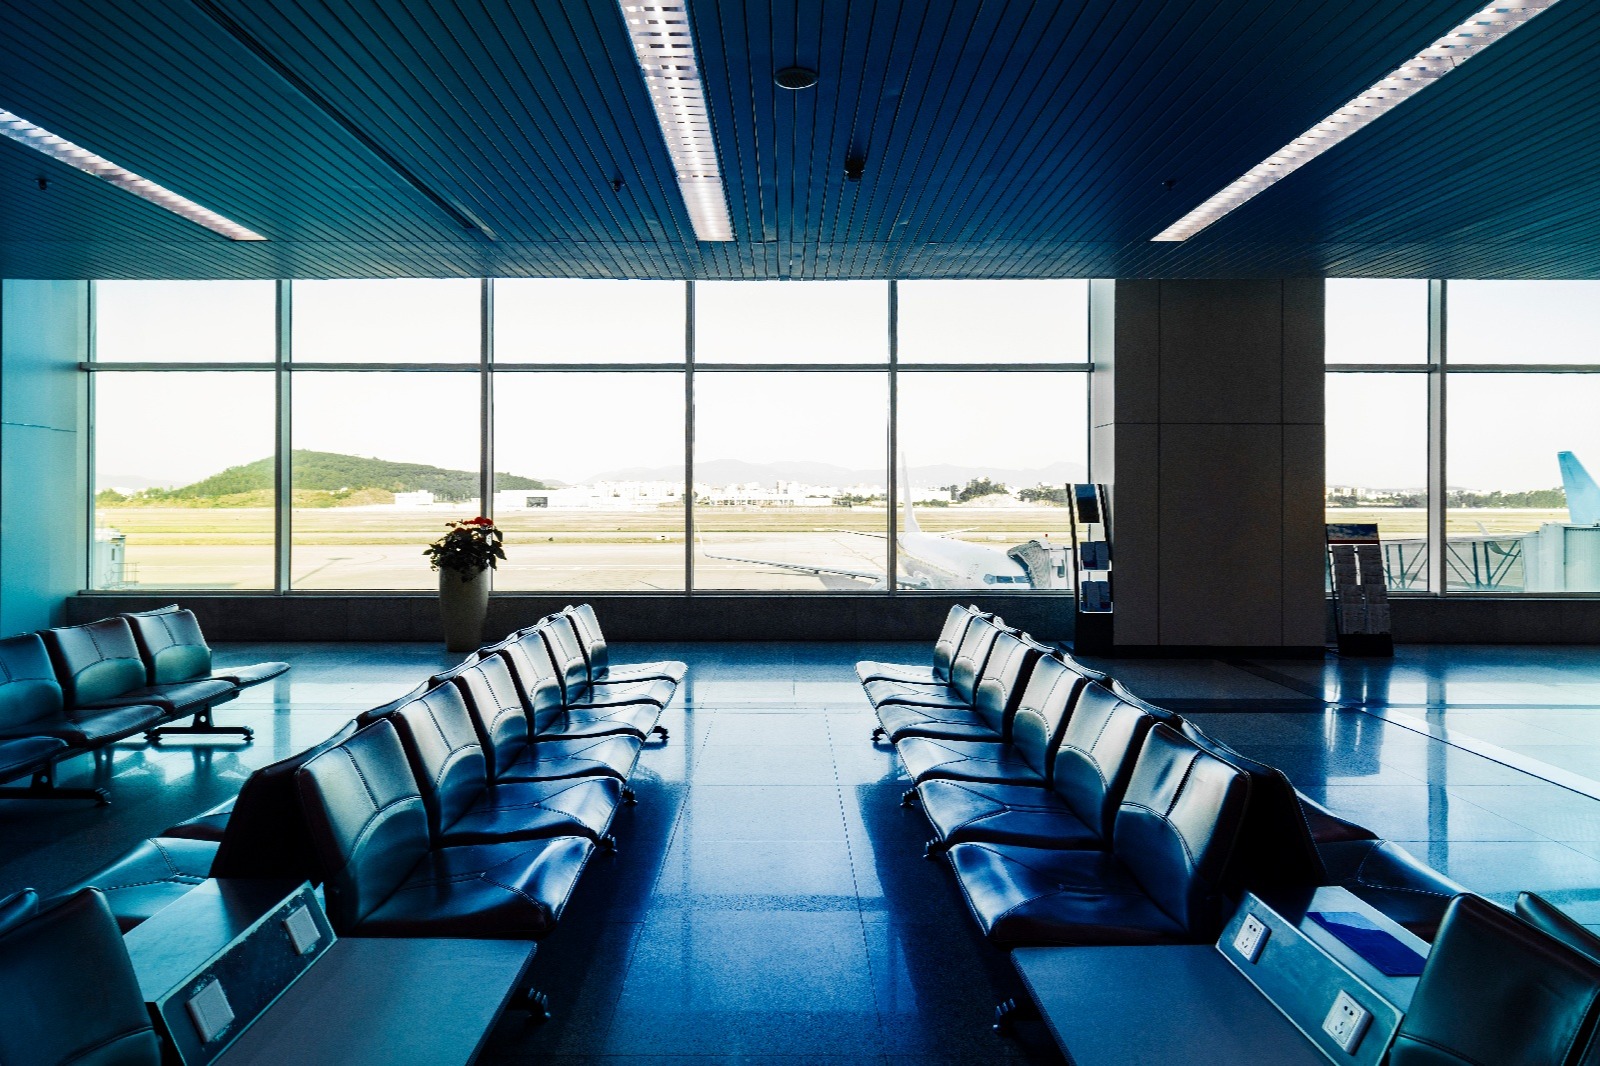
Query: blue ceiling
x=373 y=138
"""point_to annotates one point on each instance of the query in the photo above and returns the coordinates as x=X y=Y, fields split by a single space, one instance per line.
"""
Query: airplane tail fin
x=910 y=518
x=1583 y=495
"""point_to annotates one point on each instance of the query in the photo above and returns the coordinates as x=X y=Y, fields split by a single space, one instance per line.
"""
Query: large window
x=1506 y=374
x=315 y=435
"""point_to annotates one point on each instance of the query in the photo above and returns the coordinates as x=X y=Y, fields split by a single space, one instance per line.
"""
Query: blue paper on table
x=1377 y=945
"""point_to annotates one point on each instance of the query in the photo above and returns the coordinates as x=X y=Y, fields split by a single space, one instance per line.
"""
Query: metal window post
x=486 y=401
x=1437 y=459
x=688 y=438
x=892 y=574
x=283 y=457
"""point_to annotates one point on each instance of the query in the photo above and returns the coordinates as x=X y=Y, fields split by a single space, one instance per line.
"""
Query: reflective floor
x=769 y=902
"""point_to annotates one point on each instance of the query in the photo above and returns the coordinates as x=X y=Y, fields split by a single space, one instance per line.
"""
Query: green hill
x=332 y=472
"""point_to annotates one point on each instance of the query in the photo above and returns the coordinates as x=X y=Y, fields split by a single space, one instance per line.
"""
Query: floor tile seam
x=849 y=837
x=1524 y=764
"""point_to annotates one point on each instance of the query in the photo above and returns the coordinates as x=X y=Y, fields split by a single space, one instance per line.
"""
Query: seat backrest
x=384 y=710
x=496 y=710
x=171 y=644
x=446 y=755
x=590 y=639
x=571 y=667
x=1176 y=826
x=1275 y=849
x=1553 y=922
x=267 y=834
x=28 y=688
x=367 y=819
x=1004 y=679
x=98 y=661
x=956 y=624
x=1497 y=990
x=538 y=685
x=68 y=993
x=1047 y=700
x=967 y=667
x=1094 y=759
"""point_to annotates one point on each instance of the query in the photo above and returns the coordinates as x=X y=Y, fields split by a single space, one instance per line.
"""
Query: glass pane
x=789 y=481
x=382 y=462
x=185 y=321
x=584 y=510
x=1524 y=321
x=393 y=320
x=977 y=492
x=994 y=321
x=1377 y=321
x=1377 y=466
x=183 y=481
x=1518 y=521
x=577 y=321
x=791 y=322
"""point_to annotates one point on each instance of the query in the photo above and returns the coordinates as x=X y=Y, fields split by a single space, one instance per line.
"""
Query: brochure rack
x=1089 y=512
x=1360 y=591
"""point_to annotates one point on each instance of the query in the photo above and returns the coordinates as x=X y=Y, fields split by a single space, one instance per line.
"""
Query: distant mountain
x=738 y=472
x=131 y=482
x=331 y=472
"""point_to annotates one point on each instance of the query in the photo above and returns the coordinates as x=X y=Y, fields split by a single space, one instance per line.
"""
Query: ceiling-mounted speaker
x=795 y=78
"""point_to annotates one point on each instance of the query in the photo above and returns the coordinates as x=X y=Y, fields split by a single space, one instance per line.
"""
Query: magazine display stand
x=1360 y=592
x=1089 y=511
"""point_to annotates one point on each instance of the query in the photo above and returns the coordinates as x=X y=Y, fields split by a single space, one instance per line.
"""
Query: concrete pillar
x=1207 y=410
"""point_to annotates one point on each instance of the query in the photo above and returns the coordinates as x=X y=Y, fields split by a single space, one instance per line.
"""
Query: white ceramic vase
x=463 y=606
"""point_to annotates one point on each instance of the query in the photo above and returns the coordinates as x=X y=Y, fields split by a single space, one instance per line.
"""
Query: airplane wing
x=801 y=568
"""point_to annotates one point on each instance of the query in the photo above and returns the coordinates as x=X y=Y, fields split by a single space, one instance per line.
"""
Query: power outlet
x=1251 y=938
x=1347 y=1022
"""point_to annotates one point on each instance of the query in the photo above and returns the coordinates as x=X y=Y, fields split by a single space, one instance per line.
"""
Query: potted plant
x=464 y=556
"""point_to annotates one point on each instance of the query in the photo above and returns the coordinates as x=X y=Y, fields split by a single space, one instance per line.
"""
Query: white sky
x=1505 y=430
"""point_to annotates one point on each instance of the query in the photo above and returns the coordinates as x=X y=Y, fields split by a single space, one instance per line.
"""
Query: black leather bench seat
x=1050 y=896
x=616 y=693
x=513 y=891
x=904 y=720
x=925 y=758
x=1004 y=814
x=533 y=810
x=956 y=623
x=597 y=653
x=665 y=670
x=553 y=760
x=155 y=874
x=180 y=698
x=174 y=649
x=253 y=674
x=26 y=755
x=91 y=730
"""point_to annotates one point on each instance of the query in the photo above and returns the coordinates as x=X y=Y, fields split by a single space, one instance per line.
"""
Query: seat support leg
x=606 y=843
x=629 y=796
x=201 y=725
x=1009 y=1012
x=660 y=731
x=535 y=1002
x=934 y=850
x=43 y=786
x=878 y=734
x=908 y=798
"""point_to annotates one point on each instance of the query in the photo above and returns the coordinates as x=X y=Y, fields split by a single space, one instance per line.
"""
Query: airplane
x=1583 y=495
x=930 y=560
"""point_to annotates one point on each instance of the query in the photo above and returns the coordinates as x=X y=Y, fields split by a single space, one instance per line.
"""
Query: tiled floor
x=769 y=902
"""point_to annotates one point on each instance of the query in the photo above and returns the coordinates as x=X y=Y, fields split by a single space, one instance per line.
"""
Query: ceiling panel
x=373 y=138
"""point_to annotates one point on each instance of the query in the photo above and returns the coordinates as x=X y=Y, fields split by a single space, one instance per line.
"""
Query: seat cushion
x=95 y=727
x=208 y=825
x=900 y=673
x=551 y=760
x=1392 y=880
x=487 y=891
x=532 y=810
x=666 y=670
x=183 y=697
x=1034 y=896
x=630 y=719
x=254 y=674
x=154 y=874
x=612 y=694
x=1004 y=814
x=965 y=760
x=882 y=692
x=900 y=720
x=27 y=754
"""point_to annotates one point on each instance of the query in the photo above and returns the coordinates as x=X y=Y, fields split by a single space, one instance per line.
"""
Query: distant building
x=419 y=498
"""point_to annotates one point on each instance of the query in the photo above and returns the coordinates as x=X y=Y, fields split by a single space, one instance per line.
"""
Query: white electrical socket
x=1346 y=1022
x=1250 y=938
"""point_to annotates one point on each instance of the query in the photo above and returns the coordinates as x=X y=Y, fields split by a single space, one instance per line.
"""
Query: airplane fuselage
x=944 y=562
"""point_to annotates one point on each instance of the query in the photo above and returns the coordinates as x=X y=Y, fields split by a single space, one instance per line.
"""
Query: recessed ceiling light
x=1411 y=77
x=24 y=132
x=664 y=47
x=795 y=78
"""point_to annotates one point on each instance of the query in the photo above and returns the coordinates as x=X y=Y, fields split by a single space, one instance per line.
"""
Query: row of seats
x=1074 y=812
x=77 y=689
x=468 y=807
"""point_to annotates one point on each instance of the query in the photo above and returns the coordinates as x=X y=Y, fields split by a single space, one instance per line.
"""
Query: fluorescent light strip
x=42 y=140
x=664 y=47
x=1412 y=76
